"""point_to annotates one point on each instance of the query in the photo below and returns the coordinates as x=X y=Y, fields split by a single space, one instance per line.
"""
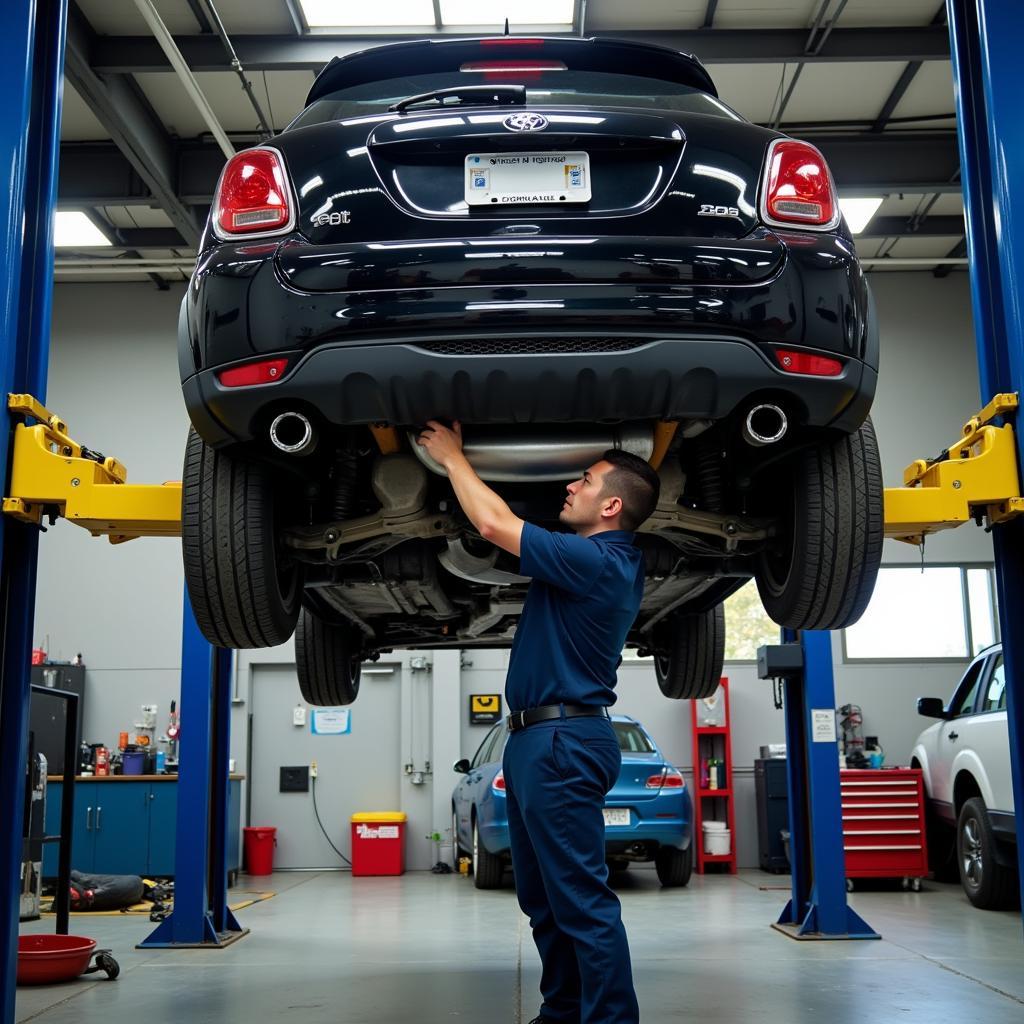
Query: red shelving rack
x=713 y=741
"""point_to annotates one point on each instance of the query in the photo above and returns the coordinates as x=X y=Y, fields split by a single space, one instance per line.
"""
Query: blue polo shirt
x=583 y=598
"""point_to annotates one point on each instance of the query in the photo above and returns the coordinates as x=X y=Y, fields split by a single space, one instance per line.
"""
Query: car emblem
x=525 y=122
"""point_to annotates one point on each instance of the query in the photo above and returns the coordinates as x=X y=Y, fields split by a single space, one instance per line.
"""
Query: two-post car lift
x=51 y=475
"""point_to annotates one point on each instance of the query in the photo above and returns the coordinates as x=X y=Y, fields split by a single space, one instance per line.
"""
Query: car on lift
x=648 y=812
x=965 y=759
x=568 y=245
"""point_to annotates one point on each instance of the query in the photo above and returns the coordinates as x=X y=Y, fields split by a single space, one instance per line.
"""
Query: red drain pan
x=44 y=959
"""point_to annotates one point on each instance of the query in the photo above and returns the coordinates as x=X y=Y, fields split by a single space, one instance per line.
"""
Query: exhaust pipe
x=541 y=454
x=764 y=424
x=292 y=433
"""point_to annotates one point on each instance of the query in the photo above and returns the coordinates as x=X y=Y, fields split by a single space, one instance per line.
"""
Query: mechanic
x=562 y=756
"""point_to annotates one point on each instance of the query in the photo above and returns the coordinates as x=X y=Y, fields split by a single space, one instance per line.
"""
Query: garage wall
x=113 y=376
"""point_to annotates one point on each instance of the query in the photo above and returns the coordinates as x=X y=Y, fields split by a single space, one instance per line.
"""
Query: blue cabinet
x=163 y=819
x=127 y=827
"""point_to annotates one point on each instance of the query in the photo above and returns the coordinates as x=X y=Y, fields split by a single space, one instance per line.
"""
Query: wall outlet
x=299 y=716
x=312 y=769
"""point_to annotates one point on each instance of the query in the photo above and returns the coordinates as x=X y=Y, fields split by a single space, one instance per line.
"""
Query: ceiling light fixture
x=859 y=211
x=395 y=13
x=550 y=13
x=73 y=229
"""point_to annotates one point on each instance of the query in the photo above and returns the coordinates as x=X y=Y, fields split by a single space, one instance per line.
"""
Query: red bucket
x=259 y=850
x=44 y=959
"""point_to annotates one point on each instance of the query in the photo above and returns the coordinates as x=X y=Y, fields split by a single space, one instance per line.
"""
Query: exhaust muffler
x=542 y=454
x=764 y=424
x=293 y=434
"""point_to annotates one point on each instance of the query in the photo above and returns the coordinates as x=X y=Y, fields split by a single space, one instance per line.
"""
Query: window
x=995 y=693
x=632 y=739
x=967 y=691
x=482 y=754
x=942 y=612
x=747 y=625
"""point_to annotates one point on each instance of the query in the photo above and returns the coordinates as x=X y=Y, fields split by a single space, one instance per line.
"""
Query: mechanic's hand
x=441 y=443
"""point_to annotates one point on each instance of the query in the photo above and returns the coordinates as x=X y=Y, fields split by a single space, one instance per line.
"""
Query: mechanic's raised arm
x=484 y=509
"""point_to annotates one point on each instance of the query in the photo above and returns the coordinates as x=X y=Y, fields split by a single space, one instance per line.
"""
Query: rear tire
x=674 y=867
x=823 y=573
x=488 y=869
x=690 y=664
x=988 y=884
x=243 y=592
x=328 y=660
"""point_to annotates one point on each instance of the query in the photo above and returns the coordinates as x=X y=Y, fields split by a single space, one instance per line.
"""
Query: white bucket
x=717 y=838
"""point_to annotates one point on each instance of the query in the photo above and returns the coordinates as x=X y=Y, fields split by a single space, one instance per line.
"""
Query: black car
x=568 y=245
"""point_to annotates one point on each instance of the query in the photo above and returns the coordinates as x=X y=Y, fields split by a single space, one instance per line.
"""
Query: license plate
x=511 y=179
x=616 y=815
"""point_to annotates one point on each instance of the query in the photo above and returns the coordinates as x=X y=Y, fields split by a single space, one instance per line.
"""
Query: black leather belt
x=531 y=716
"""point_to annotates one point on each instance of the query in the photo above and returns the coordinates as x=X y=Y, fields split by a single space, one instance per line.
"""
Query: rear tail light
x=798 y=187
x=808 y=363
x=667 y=779
x=498 y=785
x=253 y=195
x=264 y=372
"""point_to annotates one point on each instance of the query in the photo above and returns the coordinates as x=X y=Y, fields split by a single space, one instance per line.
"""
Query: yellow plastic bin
x=378 y=843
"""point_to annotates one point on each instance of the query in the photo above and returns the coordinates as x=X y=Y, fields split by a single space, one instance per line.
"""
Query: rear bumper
x=678 y=338
x=402 y=383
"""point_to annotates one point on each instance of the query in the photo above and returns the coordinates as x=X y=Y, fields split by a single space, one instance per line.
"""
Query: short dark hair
x=633 y=480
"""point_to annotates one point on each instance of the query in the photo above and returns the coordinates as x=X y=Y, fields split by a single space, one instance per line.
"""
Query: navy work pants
x=556 y=776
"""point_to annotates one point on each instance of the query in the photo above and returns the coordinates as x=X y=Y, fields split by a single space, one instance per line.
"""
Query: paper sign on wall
x=823 y=725
x=331 y=721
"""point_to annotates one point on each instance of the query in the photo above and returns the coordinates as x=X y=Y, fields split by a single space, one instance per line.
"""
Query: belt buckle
x=515 y=721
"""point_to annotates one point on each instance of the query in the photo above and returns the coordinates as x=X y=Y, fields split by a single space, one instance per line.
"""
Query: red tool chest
x=883 y=824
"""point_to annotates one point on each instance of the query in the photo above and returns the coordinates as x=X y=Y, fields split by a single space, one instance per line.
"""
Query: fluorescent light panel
x=72 y=229
x=518 y=12
x=859 y=211
x=384 y=14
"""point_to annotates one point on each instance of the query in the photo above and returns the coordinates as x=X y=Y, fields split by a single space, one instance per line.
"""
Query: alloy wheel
x=971 y=853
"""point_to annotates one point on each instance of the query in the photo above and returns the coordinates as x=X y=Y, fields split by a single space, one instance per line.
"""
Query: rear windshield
x=632 y=739
x=543 y=88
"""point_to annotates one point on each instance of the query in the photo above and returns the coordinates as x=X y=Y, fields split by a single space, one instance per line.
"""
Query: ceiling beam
x=891 y=163
x=900 y=88
x=709 y=14
x=959 y=251
x=123 y=55
x=127 y=117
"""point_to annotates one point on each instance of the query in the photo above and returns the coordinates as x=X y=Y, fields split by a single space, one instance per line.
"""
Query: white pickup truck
x=966 y=761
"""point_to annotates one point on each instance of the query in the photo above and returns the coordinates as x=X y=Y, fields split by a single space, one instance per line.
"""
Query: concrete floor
x=430 y=949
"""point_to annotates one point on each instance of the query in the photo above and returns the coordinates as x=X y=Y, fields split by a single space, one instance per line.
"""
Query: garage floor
x=430 y=949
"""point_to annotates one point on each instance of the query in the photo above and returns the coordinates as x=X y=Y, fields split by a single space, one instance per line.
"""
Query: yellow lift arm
x=53 y=476
x=974 y=478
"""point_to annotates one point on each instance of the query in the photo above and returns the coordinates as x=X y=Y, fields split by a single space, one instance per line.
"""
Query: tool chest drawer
x=883 y=823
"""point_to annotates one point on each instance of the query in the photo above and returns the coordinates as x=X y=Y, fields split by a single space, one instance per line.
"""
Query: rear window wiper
x=467 y=95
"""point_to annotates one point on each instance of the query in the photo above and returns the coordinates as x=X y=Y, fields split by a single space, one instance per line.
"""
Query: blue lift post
x=31 y=83
x=987 y=39
x=817 y=908
x=201 y=916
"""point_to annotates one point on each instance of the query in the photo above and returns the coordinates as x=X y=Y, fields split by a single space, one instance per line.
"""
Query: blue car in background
x=648 y=813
